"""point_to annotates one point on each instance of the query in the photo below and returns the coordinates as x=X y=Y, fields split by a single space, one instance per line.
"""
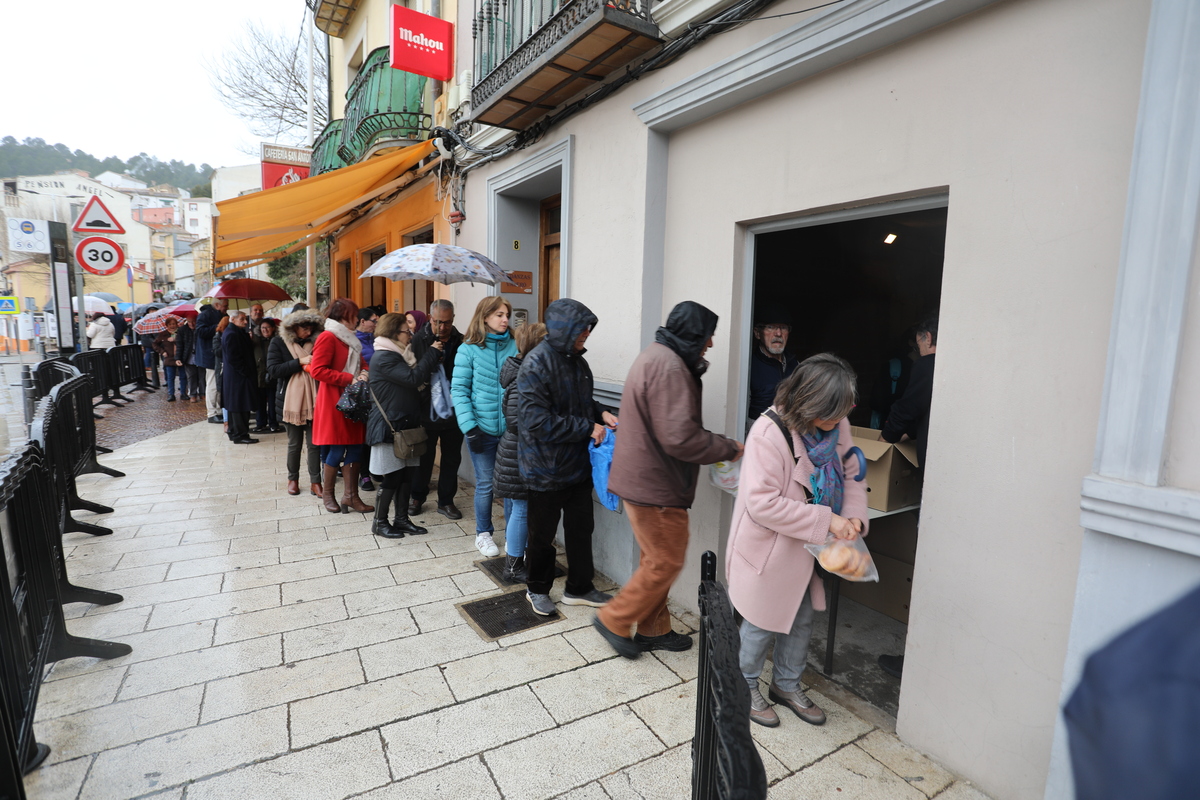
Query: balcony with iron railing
x=325 y=156
x=332 y=16
x=383 y=105
x=533 y=55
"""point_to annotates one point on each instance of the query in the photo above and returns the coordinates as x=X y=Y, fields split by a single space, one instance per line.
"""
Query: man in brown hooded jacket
x=660 y=446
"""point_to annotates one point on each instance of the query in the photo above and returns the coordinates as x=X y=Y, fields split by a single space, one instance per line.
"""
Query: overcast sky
x=120 y=77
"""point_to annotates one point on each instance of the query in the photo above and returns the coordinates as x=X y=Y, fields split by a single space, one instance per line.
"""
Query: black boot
x=379 y=526
x=401 y=522
x=515 y=570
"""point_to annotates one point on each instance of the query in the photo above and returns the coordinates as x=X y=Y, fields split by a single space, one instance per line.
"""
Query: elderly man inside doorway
x=769 y=362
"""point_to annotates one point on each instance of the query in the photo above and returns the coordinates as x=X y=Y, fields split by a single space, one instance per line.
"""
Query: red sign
x=99 y=256
x=421 y=44
x=281 y=174
x=96 y=218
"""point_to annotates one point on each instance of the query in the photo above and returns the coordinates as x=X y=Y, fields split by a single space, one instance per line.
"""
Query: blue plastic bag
x=602 y=456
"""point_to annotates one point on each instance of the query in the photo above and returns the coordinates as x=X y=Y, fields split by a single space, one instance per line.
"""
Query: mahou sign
x=421 y=44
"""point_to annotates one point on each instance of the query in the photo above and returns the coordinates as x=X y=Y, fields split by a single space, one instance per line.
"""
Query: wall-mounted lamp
x=891 y=237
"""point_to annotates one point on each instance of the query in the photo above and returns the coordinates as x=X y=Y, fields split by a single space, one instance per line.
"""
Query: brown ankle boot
x=329 y=483
x=350 y=499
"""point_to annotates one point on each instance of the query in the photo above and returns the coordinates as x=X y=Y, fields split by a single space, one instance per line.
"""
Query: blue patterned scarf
x=827 y=480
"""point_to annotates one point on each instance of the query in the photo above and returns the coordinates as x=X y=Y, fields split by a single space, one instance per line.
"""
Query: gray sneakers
x=594 y=598
x=760 y=710
x=542 y=604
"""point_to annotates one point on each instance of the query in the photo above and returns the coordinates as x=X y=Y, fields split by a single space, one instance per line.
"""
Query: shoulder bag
x=408 y=443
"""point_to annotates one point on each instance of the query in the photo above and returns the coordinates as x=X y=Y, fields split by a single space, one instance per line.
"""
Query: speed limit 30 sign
x=99 y=255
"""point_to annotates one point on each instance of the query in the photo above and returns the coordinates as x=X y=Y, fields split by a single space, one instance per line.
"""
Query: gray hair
x=238 y=315
x=441 y=303
x=822 y=387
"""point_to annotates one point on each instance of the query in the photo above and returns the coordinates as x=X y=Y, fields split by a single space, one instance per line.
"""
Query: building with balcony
x=376 y=111
x=853 y=168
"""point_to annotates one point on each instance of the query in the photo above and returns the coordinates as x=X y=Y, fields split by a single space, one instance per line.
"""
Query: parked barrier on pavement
x=126 y=367
x=11 y=786
x=33 y=630
x=725 y=762
x=50 y=373
x=94 y=364
x=73 y=399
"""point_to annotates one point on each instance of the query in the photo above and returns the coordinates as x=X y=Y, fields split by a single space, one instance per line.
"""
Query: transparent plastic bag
x=847 y=558
x=725 y=475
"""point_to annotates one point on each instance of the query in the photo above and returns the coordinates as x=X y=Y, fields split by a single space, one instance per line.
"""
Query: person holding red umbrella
x=336 y=362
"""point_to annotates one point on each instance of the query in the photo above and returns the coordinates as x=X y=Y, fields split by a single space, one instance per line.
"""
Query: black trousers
x=574 y=506
x=451 y=441
x=239 y=425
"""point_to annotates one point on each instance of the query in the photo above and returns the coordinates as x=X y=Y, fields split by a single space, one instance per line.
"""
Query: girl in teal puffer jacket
x=478 y=397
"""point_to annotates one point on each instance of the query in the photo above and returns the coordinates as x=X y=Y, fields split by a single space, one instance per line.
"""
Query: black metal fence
x=37 y=492
x=725 y=761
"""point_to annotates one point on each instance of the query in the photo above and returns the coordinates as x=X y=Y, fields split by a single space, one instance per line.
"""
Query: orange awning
x=249 y=227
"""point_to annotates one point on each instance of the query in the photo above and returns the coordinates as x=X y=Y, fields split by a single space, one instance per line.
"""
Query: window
x=193 y=206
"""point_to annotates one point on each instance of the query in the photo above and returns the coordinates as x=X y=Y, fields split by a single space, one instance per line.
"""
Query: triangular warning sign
x=96 y=218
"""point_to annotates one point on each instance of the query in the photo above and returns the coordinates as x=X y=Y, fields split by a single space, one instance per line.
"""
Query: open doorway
x=857 y=283
x=374 y=290
x=415 y=294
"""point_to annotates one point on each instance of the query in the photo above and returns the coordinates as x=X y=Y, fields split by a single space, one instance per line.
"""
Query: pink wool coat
x=766 y=564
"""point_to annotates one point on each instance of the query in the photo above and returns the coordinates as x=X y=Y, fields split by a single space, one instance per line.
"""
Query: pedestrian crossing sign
x=9 y=305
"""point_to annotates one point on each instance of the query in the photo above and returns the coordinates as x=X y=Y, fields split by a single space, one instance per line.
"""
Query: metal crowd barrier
x=50 y=373
x=127 y=367
x=33 y=631
x=11 y=786
x=94 y=364
x=726 y=764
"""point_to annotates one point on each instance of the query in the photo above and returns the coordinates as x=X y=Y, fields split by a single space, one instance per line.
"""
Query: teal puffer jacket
x=475 y=385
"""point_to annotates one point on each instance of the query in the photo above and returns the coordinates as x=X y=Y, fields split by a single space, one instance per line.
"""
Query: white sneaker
x=483 y=541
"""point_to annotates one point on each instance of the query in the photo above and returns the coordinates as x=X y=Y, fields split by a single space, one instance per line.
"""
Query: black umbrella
x=146 y=308
x=107 y=297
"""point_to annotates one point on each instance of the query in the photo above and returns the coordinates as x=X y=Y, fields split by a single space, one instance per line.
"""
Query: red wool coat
x=766 y=565
x=330 y=426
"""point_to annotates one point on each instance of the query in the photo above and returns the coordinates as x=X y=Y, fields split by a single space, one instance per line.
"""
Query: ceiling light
x=891 y=237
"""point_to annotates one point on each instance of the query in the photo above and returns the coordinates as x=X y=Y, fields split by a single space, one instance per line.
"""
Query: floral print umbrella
x=444 y=263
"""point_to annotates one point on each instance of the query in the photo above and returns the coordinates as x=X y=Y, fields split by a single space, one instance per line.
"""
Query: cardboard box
x=891 y=595
x=894 y=536
x=893 y=480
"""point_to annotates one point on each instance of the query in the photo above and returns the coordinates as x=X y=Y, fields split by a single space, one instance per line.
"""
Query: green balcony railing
x=325 y=156
x=382 y=104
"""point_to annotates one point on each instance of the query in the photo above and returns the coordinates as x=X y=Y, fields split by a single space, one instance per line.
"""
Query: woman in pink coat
x=788 y=497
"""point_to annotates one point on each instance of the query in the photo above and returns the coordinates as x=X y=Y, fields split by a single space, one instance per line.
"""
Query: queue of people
x=523 y=403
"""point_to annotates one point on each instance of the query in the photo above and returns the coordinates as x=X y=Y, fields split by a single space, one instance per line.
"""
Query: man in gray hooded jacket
x=559 y=418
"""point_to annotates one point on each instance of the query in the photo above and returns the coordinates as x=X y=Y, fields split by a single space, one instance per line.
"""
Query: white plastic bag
x=725 y=475
x=846 y=558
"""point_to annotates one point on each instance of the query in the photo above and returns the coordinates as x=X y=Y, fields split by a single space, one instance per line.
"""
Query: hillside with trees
x=37 y=157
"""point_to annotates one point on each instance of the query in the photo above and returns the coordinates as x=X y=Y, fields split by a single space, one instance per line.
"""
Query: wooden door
x=549 y=277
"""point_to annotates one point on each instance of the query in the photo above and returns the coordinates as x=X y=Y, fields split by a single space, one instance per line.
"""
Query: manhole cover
x=494 y=569
x=503 y=615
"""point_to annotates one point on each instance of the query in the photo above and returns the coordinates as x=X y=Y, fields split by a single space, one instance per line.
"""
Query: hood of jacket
x=287 y=328
x=508 y=372
x=565 y=320
x=103 y=322
x=688 y=329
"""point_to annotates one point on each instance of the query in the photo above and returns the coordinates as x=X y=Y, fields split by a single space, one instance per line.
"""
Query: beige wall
x=1025 y=114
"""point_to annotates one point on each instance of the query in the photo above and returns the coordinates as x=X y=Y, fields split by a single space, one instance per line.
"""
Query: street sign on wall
x=421 y=44
x=28 y=235
x=99 y=256
x=96 y=218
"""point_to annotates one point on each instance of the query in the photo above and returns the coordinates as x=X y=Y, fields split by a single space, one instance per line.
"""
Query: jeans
x=450 y=440
x=174 y=372
x=298 y=435
x=484 y=462
x=574 y=504
x=337 y=454
x=662 y=536
x=516 y=530
x=791 y=649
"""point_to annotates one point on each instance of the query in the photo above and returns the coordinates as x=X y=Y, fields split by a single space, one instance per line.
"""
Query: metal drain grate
x=494 y=569
x=503 y=615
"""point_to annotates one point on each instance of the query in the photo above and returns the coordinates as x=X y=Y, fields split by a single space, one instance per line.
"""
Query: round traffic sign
x=99 y=255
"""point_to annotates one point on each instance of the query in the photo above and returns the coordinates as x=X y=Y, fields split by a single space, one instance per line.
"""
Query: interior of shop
x=857 y=288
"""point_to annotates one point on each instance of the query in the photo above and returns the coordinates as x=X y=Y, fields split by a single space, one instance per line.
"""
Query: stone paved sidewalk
x=283 y=652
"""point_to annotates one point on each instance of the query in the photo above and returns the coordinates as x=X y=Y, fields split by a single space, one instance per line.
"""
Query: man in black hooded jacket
x=558 y=418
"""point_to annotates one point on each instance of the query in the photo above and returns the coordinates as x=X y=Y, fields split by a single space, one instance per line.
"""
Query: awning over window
x=296 y=215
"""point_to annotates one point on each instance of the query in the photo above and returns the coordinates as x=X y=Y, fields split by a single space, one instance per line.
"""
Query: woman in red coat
x=336 y=362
